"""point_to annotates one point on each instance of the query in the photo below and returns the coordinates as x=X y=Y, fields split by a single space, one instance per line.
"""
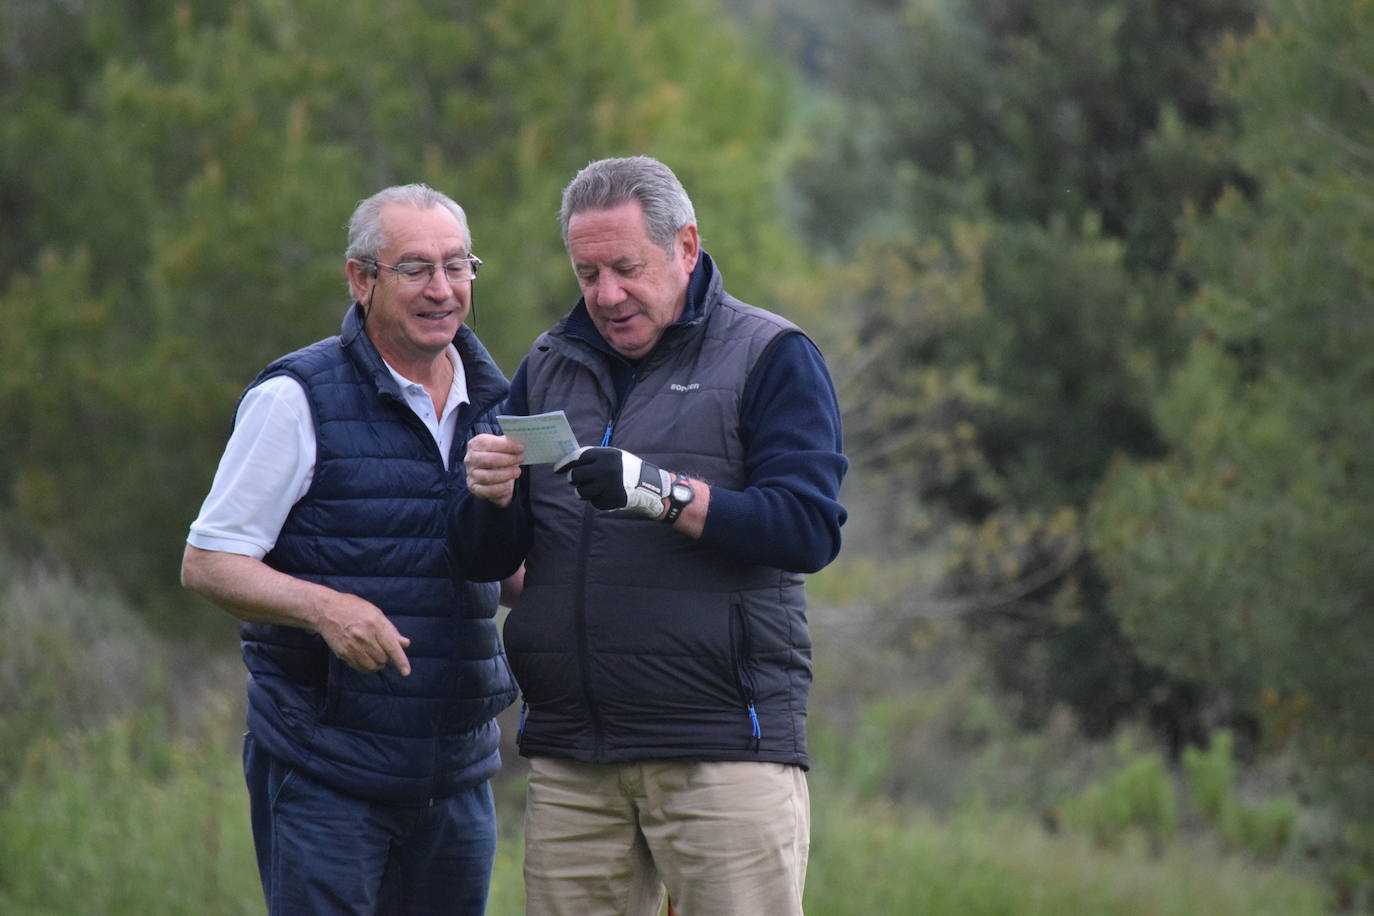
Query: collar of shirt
x=418 y=400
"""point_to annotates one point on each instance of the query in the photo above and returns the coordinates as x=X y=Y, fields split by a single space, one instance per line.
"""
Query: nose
x=438 y=286
x=608 y=290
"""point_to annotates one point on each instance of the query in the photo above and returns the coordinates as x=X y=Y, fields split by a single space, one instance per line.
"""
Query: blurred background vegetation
x=1096 y=282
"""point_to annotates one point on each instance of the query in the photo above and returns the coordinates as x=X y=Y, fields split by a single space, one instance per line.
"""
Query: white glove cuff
x=646 y=486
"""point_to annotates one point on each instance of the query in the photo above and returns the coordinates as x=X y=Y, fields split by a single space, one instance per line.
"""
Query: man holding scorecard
x=660 y=640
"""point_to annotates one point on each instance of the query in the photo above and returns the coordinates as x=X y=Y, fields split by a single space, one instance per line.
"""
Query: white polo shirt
x=270 y=460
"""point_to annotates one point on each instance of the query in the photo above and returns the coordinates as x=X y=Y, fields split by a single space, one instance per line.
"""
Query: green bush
x=1263 y=829
x=71 y=659
x=76 y=657
x=876 y=858
x=123 y=796
x=127 y=819
x=1138 y=798
x=1211 y=774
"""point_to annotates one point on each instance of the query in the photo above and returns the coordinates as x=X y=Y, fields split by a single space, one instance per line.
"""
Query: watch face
x=682 y=492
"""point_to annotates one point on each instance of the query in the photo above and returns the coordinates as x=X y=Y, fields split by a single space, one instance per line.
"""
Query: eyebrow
x=447 y=256
x=617 y=264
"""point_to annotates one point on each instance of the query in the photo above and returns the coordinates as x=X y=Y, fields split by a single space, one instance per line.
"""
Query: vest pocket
x=741 y=652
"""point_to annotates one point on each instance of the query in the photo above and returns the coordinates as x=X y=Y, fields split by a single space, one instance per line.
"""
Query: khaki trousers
x=727 y=839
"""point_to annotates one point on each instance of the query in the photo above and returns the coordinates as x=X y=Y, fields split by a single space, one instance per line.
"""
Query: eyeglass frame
x=472 y=261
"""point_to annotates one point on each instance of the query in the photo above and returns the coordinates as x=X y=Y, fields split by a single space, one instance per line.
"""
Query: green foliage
x=1211 y=777
x=1243 y=559
x=140 y=809
x=1003 y=183
x=125 y=819
x=1265 y=829
x=874 y=858
x=121 y=822
x=1030 y=111
x=175 y=179
x=1138 y=798
x=72 y=660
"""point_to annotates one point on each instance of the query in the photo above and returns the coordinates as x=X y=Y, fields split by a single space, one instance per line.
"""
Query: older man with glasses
x=375 y=669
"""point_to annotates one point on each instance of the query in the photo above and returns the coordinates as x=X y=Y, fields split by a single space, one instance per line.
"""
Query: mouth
x=436 y=315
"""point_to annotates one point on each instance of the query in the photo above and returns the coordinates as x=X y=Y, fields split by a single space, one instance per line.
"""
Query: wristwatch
x=679 y=495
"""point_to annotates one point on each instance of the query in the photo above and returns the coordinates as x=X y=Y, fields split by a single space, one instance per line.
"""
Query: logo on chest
x=692 y=387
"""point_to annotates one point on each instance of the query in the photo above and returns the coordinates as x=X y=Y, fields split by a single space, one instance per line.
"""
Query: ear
x=361 y=276
x=688 y=246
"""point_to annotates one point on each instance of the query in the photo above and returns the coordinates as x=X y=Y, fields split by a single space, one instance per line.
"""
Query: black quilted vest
x=632 y=641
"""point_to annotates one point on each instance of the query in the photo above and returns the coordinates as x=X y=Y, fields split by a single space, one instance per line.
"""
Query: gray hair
x=608 y=183
x=365 y=236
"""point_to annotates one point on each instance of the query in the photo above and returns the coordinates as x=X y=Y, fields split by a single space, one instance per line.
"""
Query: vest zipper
x=580 y=604
x=618 y=406
x=745 y=679
x=580 y=619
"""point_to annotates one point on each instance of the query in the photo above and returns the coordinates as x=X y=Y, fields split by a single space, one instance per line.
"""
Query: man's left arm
x=789 y=513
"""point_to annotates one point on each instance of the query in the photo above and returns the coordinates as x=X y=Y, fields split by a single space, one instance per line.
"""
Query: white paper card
x=546 y=436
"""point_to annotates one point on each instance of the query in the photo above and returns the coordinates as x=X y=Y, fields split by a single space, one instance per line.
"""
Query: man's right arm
x=266 y=467
x=355 y=629
x=490 y=529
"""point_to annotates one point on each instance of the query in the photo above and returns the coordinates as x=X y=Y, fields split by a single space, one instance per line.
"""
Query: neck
x=435 y=376
x=424 y=368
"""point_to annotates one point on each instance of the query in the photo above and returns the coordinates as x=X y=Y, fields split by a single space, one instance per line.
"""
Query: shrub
x=1263 y=829
x=1138 y=798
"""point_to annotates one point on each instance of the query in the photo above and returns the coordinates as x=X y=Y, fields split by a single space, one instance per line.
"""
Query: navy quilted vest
x=374 y=523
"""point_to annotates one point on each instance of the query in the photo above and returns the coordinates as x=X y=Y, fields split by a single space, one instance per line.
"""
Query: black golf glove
x=614 y=479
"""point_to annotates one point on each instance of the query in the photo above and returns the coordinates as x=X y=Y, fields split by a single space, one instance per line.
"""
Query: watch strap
x=675 y=505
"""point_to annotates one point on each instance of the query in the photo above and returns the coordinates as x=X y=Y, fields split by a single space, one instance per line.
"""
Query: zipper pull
x=520 y=729
x=754 y=728
x=606 y=438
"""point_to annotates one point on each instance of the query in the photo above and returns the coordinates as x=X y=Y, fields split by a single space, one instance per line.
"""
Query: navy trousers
x=322 y=852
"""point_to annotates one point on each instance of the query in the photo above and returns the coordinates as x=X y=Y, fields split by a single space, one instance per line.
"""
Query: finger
x=502 y=444
x=501 y=493
x=396 y=654
x=377 y=657
x=494 y=475
x=571 y=459
x=493 y=451
x=494 y=464
x=356 y=664
x=591 y=485
x=485 y=442
x=364 y=661
x=499 y=496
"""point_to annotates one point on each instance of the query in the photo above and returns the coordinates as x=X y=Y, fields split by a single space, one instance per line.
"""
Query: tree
x=1243 y=558
x=176 y=177
x=1011 y=175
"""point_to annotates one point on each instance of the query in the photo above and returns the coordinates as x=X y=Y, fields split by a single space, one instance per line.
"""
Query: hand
x=493 y=463
x=612 y=478
x=362 y=636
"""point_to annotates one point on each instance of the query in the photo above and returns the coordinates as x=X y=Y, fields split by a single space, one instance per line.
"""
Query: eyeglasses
x=456 y=270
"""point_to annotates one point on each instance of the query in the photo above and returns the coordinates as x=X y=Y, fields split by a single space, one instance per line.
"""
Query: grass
x=126 y=820
x=876 y=858
x=123 y=820
x=121 y=793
